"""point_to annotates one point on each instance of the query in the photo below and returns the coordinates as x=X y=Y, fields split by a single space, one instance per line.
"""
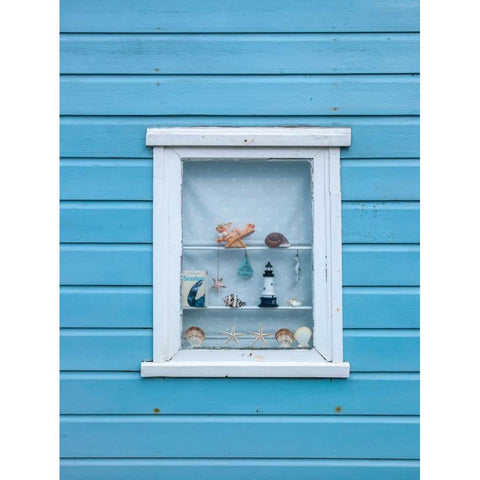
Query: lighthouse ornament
x=268 y=298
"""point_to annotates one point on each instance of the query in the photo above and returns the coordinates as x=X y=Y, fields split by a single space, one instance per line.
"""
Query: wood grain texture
x=238 y=469
x=239 y=54
x=131 y=307
x=128 y=393
x=119 y=137
x=240 y=95
x=124 y=349
x=131 y=222
x=241 y=436
x=246 y=16
x=131 y=179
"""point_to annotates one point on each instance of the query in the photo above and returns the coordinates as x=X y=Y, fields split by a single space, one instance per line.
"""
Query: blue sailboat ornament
x=245 y=269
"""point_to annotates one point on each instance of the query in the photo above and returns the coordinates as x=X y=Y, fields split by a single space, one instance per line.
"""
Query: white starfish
x=260 y=335
x=232 y=335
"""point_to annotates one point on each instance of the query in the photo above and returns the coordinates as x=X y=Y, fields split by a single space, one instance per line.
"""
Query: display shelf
x=221 y=307
x=251 y=247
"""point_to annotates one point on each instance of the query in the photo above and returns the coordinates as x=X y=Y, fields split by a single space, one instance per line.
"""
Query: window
x=247 y=271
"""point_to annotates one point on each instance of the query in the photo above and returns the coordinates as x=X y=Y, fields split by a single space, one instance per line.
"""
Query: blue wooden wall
x=131 y=65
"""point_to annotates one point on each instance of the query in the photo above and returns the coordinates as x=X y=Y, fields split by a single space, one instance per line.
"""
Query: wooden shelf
x=252 y=247
x=221 y=307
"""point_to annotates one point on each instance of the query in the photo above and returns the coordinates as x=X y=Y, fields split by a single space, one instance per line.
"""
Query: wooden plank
x=106 y=307
x=373 y=265
x=395 y=222
x=246 y=16
x=124 y=349
x=372 y=137
x=240 y=95
x=131 y=307
x=106 y=265
x=239 y=54
x=124 y=264
x=131 y=222
x=380 y=180
x=106 y=222
x=381 y=307
x=125 y=179
x=101 y=179
x=127 y=393
x=240 y=436
x=238 y=469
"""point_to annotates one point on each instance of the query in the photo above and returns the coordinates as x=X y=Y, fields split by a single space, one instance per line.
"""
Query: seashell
x=195 y=336
x=303 y=336
x=284 y=337
x=293 y=302
x=275 y=240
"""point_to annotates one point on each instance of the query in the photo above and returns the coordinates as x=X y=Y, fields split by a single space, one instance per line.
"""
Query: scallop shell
x=284 y=337
x=195 y=336
x=303 y=336
x=276 y=239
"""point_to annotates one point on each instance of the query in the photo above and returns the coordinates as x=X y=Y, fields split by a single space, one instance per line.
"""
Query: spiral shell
x=195 y=336
x=276 y=239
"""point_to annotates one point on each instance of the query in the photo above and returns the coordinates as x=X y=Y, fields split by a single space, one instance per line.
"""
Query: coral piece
x=233 y=301
x=195 y=336
x=284 y=337
x=233 y=237
x=276 y=240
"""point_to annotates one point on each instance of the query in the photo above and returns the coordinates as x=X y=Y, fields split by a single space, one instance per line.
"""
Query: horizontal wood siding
x=131 y=222
x=234 y=469
x=127 y=264
x=239 y=95
x=131 y=179
x=117 y=137
x=241 y=436
x=124 y=393
x=121 y=349
x=245 y=16
x=239 y=54
x=131 y=307
x=128 y=66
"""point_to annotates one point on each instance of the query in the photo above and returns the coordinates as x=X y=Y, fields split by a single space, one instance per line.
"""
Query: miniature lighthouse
x=268 y=298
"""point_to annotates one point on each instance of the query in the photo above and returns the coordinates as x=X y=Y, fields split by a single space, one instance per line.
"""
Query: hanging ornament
x=218 y=280
x=297 y=273
x=245 y=269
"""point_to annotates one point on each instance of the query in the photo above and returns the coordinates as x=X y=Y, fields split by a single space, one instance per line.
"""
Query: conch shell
x=276 y=240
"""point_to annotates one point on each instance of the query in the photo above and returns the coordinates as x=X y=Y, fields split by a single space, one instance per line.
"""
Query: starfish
x=260 y=336
x=232 y=335
x=218 y=284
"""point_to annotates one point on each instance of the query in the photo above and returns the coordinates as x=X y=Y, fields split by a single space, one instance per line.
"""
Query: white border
x=326 y=358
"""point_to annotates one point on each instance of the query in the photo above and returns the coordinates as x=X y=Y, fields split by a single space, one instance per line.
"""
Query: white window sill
x=247 y=363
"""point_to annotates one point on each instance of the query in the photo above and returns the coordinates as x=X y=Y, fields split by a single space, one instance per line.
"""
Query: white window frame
x=321 y=146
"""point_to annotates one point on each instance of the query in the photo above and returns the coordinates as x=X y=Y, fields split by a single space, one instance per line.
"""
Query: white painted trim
x=249 y=137
x=246 y=363
x=326 y=359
